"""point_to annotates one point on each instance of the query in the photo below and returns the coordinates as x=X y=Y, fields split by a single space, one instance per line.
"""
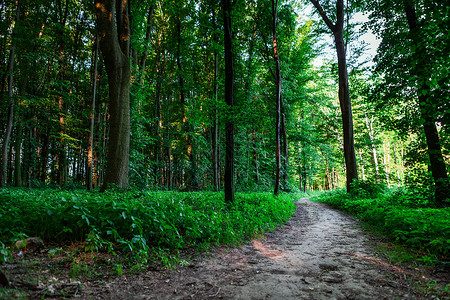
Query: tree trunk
x=160 y=69
x=229 y=100
x=386 y=160
x=169 y=160
x=437 y=164
x=61 y=154
x=9 y=124
x=18 y=158
x=369 y=124
x=215 y=127
x=255 y=156
x=90 y=151
x=346 y=110
x=362 y=165
x=11 y=102
x=44 y=156
x=277 y=98
x=344 y=96
x=303 y=172
x=394 y=153
x=285 y=158
x=191 y=174
x=114 y=35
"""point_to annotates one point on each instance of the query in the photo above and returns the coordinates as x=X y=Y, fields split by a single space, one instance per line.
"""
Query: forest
x=145 y=128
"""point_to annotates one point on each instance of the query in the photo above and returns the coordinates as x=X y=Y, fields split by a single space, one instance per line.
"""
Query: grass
x=405 y=215
x=138 y=224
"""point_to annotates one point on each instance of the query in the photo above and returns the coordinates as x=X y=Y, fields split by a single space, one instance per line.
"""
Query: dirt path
x=319 y=254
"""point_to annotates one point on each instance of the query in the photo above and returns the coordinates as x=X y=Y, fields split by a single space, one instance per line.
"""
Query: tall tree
x=412 y=61
x=11 y=103
x=277 y=98
x=90 y=148
x=421 y=71
x=344 y=97
x=229 y=100
x=215 y=117
x=114 y=37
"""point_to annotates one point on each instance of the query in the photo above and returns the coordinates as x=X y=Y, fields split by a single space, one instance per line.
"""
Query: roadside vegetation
x=405 y=215
x=136 y=225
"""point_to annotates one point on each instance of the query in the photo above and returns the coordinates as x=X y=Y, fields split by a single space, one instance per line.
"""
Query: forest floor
x=320 y=253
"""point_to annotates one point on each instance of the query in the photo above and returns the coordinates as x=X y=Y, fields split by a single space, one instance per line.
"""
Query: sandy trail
x=319 y=254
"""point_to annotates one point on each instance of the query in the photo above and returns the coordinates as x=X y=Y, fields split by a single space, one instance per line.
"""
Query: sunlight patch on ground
x=267 y=252
x=380 y=262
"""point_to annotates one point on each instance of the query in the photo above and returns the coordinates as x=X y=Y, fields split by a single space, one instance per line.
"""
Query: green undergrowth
x=406 y=215
x=137 y=223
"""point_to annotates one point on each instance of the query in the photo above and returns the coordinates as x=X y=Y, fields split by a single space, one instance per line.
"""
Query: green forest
x=144 y=128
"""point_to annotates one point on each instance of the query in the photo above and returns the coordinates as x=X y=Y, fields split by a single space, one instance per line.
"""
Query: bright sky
x=330 y=53
x=368 y=37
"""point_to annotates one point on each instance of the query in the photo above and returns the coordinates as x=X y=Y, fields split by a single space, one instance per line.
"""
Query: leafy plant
x=5 y=254
x=135 y=222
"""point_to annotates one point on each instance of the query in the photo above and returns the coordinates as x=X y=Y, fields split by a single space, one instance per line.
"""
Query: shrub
x=135 y=221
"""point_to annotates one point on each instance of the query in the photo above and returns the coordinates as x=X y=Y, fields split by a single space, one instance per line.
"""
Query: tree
x=344 y=97
x=11 y=104
x=114 y=38
x=420 y=70
x=412 y=64
x=229 y=100
x=215 y=127
x=90 y=152
x=277 y=97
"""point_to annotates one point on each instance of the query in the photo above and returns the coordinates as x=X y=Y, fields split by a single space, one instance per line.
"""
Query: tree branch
x=324 y=15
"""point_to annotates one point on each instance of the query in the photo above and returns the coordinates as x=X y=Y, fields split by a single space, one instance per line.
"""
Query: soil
x=320 y=253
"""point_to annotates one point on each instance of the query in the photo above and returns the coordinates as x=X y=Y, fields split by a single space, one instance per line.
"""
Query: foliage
x=411 y=82
x=135 y=222
x=176 y=97
x=5 y=254
x=407 y=215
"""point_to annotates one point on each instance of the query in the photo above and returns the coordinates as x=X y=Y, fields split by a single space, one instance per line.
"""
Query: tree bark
x=114 y=36
x=386 y=161
x=362 y=165
x=344 y=96
x=255 y=156
x=277 y=98
x=18 y=158
x=215 y=127
x=61 y=154
x=191 y=180
x=394 y=153
x=369 y=124
x=44 y=155
x=90 y=151
x=11 y=103
x=160 y=72
x=437 y=164
x=285 y=158
x=229 y=100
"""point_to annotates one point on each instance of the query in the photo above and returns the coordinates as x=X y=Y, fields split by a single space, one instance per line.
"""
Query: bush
x=136 y=221
x=366 y=189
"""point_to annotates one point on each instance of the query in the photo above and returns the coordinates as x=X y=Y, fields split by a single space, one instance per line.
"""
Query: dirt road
x=319 y=254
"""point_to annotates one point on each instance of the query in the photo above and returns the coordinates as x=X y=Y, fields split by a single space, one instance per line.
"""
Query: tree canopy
x=202 y=95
